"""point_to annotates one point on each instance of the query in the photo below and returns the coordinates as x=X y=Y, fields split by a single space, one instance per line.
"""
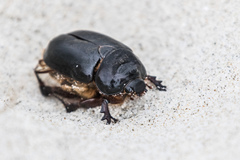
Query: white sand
x=193 y=46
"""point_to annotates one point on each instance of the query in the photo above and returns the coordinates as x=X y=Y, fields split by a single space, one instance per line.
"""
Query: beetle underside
x=74 y=94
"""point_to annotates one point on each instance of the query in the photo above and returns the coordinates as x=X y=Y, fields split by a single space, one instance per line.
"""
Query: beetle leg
x=47 y=90
x=72 y=104
x=149 y=86
x=157 y=83
x=69 y=105
x=44 y=89
x=106 y=112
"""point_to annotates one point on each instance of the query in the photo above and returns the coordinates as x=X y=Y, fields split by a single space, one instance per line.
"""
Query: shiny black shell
x=78 y=53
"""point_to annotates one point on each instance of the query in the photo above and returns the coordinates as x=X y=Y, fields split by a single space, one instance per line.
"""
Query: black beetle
x=92 y=69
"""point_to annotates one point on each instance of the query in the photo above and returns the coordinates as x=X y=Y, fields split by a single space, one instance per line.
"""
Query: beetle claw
x=107 y=116
x=157 y=83
x=162 y=88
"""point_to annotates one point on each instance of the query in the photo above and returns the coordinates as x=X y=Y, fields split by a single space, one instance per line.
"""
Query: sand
x=192 y=46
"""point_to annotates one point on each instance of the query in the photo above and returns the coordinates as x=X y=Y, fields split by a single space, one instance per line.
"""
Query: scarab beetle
x=92 y=69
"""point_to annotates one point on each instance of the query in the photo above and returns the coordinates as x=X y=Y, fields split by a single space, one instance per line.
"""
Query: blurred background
x=193 y=46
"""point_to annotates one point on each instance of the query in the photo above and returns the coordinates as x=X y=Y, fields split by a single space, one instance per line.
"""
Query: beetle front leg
x=157 y=83
x=106 y=112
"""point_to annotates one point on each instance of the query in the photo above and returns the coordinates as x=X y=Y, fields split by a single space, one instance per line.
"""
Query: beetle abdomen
x=75 y=58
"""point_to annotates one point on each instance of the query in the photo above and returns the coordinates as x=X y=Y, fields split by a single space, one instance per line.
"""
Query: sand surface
x=192 y=46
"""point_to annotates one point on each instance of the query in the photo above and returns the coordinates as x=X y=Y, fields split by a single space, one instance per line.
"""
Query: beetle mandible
x=92 y=69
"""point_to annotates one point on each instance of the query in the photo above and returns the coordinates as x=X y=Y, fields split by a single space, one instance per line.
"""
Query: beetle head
x=136 y=86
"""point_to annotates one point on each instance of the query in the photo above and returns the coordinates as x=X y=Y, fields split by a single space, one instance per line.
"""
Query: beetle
x=92 y=69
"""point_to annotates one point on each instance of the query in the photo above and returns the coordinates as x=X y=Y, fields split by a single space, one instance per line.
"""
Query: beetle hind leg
x=48 y=90
x=157 y=83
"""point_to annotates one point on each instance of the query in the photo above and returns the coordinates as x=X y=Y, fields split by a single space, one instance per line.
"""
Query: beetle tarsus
x=107 y=116
x=157 y=83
